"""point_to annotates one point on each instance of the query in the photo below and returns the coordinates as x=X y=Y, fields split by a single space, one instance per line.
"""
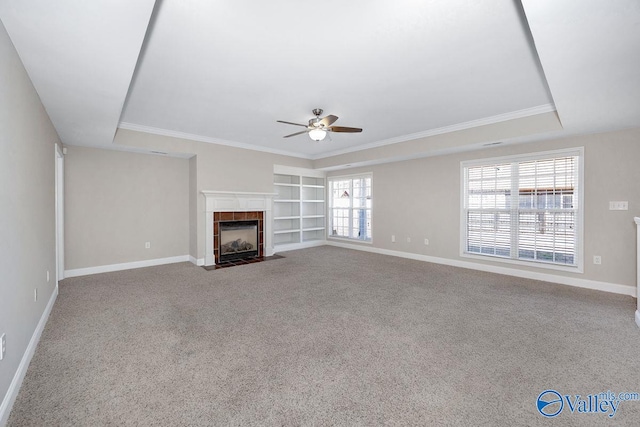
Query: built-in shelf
x=297 y=230
x=314 y=240
x=299 y=207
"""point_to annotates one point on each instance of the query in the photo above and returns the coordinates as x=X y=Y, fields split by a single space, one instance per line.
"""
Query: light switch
x=619 y=206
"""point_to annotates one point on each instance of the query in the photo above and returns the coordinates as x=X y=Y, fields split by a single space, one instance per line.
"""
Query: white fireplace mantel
x=234 y=201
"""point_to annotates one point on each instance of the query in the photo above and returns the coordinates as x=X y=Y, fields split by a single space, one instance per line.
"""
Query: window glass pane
x=359 y=224
x=340 y=222
x=489 y=187
x=542 y=224
x=350 y=208
x=340 y=193
x=549 y=237
x=547 y=184
x=489 y=233
x=361 y=197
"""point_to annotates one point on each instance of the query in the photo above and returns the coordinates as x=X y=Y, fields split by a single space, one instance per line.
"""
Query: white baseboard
x=14 y=387
x=546 y=277
x=125 y=266
x=296 y=246
x=199 y=261
x=638 y=318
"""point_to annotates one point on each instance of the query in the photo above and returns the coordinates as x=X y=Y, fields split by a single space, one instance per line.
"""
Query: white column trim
x=637 y=221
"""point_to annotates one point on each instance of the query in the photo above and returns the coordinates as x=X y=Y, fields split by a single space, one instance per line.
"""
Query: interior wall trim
x=125 y=266
x=533 y=275
x=196 y=261
x=18 y=377
x=527 y=112
x=210 y=140
x=520 y=114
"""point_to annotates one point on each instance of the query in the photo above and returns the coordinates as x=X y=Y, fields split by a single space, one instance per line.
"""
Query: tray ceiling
x=224 y=72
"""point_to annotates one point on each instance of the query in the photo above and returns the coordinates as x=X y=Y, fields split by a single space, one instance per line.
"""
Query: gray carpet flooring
x=326 y=336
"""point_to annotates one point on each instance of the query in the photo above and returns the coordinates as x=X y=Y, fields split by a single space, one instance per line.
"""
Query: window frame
x=579 y=212
x=330 y=206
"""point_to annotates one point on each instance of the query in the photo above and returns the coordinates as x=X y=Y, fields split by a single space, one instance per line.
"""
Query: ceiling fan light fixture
x=318 y=127
x=317 y=134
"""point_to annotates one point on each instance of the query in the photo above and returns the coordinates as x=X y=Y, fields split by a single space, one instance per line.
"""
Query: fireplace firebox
x=238 y=240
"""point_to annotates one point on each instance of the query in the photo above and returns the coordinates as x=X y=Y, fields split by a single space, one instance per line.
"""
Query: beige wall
x=27 y=217
x=116 y=201
x=218 y=167
x=421 y=199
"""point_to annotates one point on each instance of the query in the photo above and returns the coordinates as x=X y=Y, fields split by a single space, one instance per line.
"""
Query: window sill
x=535 y=264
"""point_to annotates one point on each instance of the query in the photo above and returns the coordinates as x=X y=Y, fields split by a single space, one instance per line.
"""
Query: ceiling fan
x=318 y=128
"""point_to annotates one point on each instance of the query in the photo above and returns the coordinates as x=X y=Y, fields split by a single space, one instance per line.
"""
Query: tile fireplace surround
x=228 y=202
x=223 y=217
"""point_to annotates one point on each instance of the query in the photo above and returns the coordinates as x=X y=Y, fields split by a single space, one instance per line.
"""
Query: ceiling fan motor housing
x=315 y=122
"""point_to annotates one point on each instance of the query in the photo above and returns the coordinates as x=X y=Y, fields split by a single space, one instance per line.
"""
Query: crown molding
x=541 y=109
x=210 y=140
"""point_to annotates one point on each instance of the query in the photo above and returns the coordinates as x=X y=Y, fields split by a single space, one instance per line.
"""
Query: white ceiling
x=224 y=72
x=590 y=51
x=80 y=57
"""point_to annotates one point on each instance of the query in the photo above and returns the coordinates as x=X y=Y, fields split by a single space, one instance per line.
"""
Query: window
x=350 y=207
x=524 y=208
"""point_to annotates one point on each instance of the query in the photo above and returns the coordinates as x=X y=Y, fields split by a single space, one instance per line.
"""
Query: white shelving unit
x=299 y=207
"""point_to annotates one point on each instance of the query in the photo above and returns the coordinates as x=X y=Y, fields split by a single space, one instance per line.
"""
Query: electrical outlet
x=597 y=259
x=147 y=245
x=3 y=346
x=408 y=239
x=35 y=294
x=426 y=242
x=393 y=238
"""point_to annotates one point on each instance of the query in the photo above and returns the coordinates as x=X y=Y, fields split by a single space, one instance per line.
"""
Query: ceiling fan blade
x=327 y=121
x=289 y=123
x=297 y=133
x=343 y=129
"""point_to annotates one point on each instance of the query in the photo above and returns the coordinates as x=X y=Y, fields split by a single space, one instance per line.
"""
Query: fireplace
x=238 y=240
x=237 y=236
x=221 y=206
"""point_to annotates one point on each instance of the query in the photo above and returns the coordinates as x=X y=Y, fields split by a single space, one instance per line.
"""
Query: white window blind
x=524 y=208
x=350 y=202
